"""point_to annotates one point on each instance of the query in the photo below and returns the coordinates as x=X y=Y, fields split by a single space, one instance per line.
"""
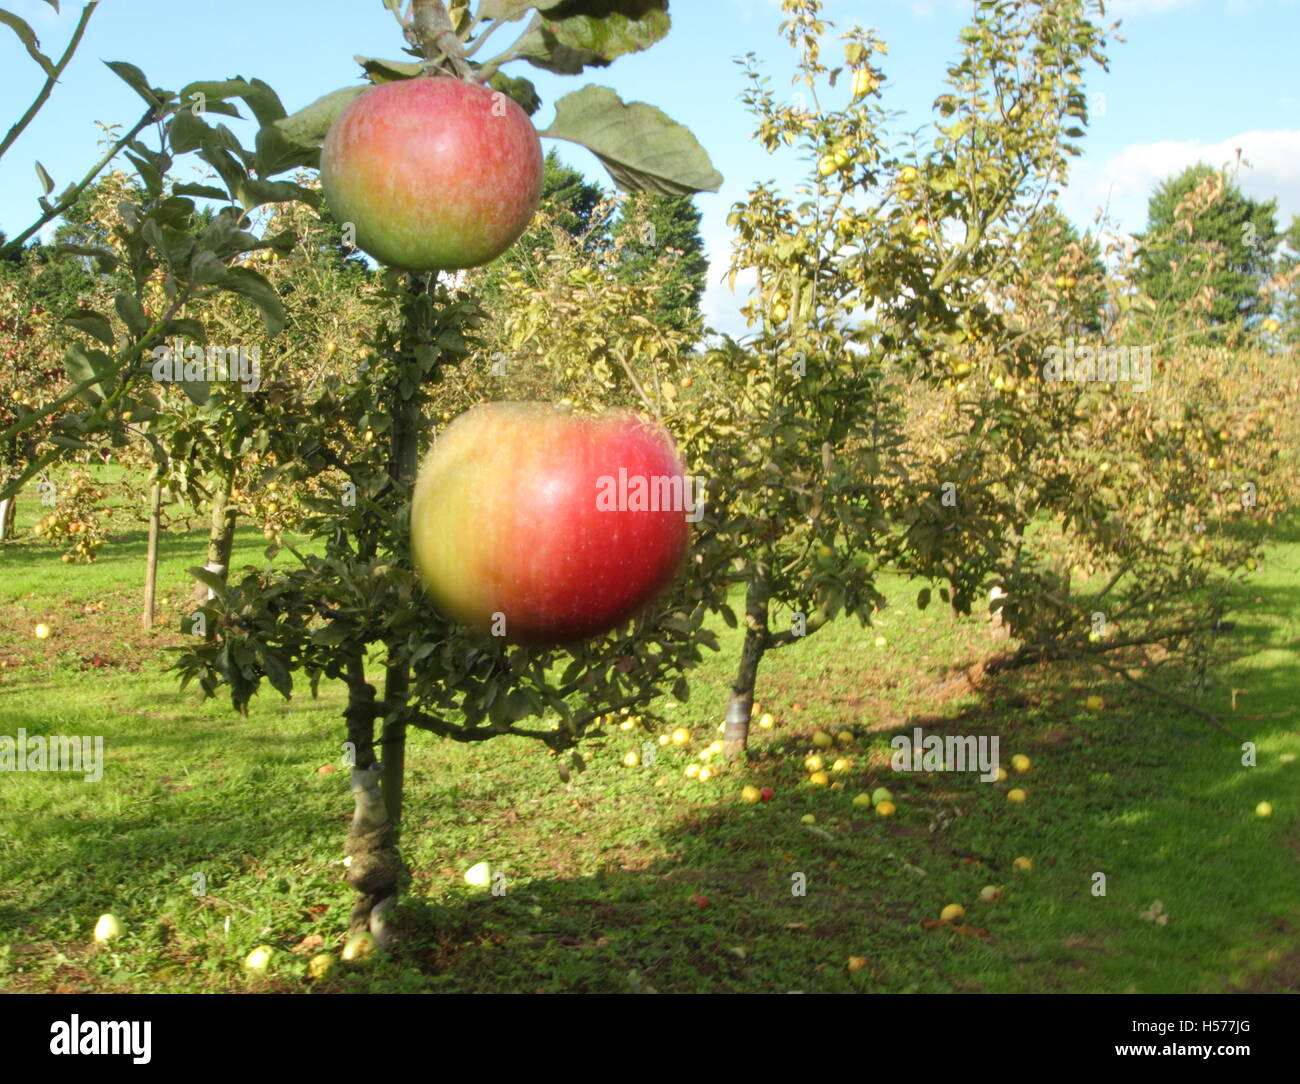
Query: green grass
x=604 y=876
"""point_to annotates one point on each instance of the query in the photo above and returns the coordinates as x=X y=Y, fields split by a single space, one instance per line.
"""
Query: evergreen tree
x=1235 y=231
x=650 y=225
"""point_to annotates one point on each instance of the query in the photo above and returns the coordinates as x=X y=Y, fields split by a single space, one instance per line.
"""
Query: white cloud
x=1124 y=181
x=1130 y=9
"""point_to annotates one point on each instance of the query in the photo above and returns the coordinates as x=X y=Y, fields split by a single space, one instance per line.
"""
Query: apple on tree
x=435 y=173
x=516 y=530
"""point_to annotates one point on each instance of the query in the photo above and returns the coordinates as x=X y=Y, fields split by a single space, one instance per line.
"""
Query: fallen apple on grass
x=1016 y=794
x=547 y=527
x=1022 y=864
x=321 y=966
x=766 y=794
x=822 y=740
x=259 y=959
x=360 y=947
x=751 y=794
x=885 y=808
x=954 y=912
x=1264 y=809
x=863 y=800
x=814 y=763
x=881 y=794
x=765 y=721
x=108 y=928
x=41 y=632
x=1020 y=762
x=990 y=894
x=479 y=875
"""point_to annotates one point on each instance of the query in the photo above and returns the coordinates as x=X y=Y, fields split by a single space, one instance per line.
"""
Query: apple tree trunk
x=757 y=596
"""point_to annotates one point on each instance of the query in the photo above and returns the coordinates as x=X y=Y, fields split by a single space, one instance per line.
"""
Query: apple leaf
x=519 y=90
x=642 y=147
x=510 y=10
x=135 y=79
x=570 y=37
x=28 y=37
x=261 y=98
x=388 y=71
x=257 y=289
x=92 y=323
x=309 y=125
x=82 y=364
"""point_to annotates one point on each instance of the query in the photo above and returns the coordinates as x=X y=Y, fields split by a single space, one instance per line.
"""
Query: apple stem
x=432 y=33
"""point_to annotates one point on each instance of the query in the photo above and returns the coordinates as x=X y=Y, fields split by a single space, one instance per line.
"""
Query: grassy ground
x=636 y=878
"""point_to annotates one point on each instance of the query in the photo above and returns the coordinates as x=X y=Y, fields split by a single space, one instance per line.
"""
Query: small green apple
x=1264 y=809
x=990 y=894
x=360 y=947
x=881 y=794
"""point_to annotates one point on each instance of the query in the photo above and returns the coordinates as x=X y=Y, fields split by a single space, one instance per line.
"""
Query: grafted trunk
x=376 y=865
x=736 y=735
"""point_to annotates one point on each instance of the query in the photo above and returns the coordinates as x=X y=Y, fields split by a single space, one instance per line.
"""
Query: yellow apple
x=1002 y=775
x=321 y=966
x=681 y=736
x=814 y=763
x=1020 y=762
x=1094 y=703
x=766 y=721
x=990 y=894
x=954 y=912
x=632 y=759
x=822 y=740
x=260 y=958
x=479 y=875
x=807 y=818
x=42 y=631
x=844 y=737
x=705 y=775
x=863 y=800
x=1016 y=795
x=857 y=963
x=842 y=764
x=819 y=779
x=107 y=928
x=692 y=770
x=1264 y=809
x=750 y=794
x=885 y=809
x=361 y=946
x=1022 y=864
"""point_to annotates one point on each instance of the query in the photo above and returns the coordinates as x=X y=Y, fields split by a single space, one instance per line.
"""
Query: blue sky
x=1195 y=79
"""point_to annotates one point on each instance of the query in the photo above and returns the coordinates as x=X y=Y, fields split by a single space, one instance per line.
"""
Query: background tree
x=1228 y=253
x=647 y=221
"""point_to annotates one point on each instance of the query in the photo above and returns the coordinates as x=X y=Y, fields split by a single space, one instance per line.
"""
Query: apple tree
x=353 y=609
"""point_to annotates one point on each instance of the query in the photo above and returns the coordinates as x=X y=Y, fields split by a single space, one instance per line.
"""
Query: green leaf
x=105 y=260
x=253 y=285
x=203 y=191
x=128 y=308
x=82 y=364
x=93 y=324
x=135 y=79
x=253 y=193
x=388 y=71
x=276 y=152
x=510 y=10
x=28 y=37
x=309 y=124
x=186 y=132
x=643 y=149
x=261 y=99
x=47 y=182
x=519 y=90
x=592 y=33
